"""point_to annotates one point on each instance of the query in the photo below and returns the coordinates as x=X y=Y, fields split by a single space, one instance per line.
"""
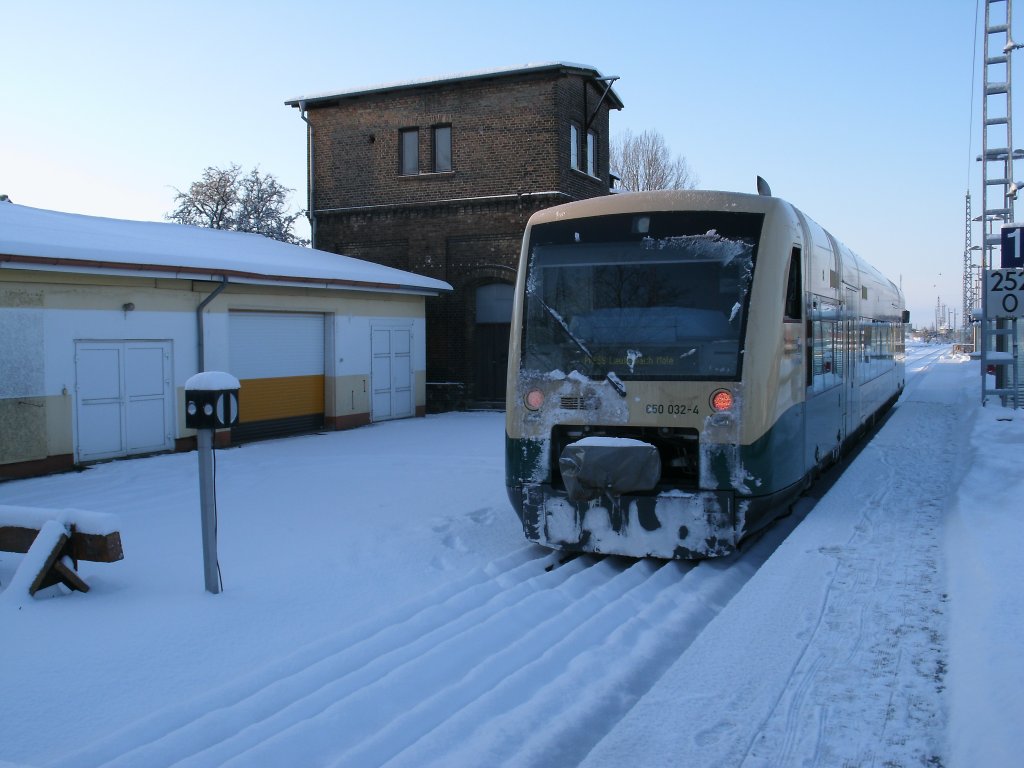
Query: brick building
x=439 y=177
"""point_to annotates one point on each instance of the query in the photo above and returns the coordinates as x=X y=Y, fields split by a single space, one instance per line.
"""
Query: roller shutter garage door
x=279 y=359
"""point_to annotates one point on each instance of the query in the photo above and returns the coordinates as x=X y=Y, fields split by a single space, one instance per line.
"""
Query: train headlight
x=534 y=399
x=721 y=400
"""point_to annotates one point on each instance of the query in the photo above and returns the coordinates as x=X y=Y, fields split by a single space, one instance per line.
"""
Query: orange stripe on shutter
x=279 y=398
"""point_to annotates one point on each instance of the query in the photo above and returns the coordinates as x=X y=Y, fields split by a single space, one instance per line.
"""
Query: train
x=682 y=365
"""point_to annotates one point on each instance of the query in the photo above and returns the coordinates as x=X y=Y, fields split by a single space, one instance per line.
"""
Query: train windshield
x=651 y=296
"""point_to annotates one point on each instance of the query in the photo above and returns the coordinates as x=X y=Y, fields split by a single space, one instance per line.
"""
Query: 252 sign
x=1004 y=293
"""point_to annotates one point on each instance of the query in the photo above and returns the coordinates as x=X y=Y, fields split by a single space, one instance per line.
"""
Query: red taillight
x=534 y=399
x=721 y=400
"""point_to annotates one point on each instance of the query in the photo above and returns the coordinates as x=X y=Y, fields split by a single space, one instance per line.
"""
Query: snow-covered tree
x=645 y=163
x=225 y=198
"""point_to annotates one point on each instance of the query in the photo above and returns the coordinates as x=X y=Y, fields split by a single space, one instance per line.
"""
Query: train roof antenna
x=763 y=188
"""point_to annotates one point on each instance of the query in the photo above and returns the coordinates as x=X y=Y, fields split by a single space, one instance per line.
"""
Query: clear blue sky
x=857 y=113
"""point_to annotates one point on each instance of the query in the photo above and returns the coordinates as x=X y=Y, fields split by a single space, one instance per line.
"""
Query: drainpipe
x=310 y=188
x=199 y=321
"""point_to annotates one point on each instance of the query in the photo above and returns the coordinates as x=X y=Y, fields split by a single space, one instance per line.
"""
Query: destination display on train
x=1004 y=293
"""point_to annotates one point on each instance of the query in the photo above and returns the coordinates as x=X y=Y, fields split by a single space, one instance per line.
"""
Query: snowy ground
x=381 y=606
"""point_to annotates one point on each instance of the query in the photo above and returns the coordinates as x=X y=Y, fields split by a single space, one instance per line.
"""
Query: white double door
x=123 y=398
x=391 y=376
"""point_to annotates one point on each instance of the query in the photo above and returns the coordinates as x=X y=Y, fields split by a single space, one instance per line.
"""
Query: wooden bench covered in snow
x=54 y=540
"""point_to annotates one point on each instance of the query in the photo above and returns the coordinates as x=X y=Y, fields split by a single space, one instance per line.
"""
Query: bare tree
x=224 y=198
x=644 y=163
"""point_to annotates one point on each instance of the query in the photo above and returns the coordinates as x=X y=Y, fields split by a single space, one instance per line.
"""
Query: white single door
x=147 y=390
x=99 y=376
x=391 y=376
x=123 y=402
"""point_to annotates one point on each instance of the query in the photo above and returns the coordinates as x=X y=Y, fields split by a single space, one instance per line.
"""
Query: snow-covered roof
x=34 y=238
x=523 y=69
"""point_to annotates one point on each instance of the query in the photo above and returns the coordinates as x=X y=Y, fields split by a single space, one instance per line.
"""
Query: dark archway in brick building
x=493 y=324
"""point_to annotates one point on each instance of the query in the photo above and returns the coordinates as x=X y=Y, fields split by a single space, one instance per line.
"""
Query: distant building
x=102 y=321
x=439 y=177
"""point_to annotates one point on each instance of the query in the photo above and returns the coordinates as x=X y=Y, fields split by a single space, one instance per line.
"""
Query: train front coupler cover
x=672 y=524
x=614 y=502
x=614 y=465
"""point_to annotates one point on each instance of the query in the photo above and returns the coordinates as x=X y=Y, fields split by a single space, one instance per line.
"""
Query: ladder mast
x=998 y=189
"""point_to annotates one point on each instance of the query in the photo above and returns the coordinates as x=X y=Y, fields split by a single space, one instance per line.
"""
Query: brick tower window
x=442 y=148
x=410 y=151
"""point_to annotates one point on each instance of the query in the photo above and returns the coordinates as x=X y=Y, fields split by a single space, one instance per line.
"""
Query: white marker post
x=211 y=402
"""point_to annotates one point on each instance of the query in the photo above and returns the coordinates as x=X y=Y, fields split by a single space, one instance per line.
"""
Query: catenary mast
x=998 y=189
x=970 y=297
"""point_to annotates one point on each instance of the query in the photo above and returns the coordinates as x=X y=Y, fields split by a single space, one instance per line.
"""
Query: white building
x=102 y=321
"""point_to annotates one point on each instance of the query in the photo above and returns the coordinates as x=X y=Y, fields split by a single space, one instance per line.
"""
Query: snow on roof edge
x=55 y=238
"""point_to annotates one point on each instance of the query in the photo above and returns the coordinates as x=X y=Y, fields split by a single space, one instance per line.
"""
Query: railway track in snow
x=527 y=661
x=919 y=359
x=530 y=660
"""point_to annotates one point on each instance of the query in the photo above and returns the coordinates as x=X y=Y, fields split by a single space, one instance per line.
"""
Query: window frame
x=447 y=127
x=592 y=154
x=793 y=306
x=403 y=152
x=574 y=146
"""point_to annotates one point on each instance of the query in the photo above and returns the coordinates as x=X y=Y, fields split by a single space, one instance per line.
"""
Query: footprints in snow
x=714 y=734
x=449 y=529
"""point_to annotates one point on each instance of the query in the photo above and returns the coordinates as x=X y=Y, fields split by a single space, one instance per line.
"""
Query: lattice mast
x=997 y=130
x=998 y=189
x=970 y=298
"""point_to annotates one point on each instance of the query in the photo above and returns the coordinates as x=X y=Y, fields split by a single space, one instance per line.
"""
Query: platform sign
x=1011 y=253
x=1004 y=293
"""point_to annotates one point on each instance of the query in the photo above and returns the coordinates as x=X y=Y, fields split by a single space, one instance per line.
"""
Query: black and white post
x=211 y=402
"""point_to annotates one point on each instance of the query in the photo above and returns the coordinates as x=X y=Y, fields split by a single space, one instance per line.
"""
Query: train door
x=851 y=342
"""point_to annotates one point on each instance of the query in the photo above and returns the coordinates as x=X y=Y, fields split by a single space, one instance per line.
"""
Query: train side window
x=809 y=351
x=826 y=340
x=830 y=371
x=794 y=309
x=824 y=371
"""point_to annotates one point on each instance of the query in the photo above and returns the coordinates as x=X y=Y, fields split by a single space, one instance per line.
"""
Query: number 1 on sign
x=1015 y=236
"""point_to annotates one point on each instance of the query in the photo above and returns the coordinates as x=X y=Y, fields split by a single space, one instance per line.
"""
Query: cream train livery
x=682 y=364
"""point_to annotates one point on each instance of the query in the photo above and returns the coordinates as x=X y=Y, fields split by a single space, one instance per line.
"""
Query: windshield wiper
x=616 y=383
x=610 y=377
x=565 y=329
